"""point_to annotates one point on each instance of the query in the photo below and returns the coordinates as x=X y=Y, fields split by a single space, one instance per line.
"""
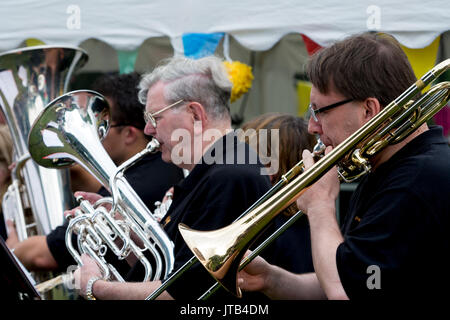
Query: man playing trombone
x=395 y=235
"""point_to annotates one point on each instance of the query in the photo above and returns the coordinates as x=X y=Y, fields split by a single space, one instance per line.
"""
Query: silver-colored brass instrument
x=162 y=208
x=68 y=131
x=29 y=79
x=221 y=251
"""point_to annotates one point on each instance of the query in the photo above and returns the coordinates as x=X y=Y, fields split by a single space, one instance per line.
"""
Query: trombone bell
x=222 y=257
x=221 y=251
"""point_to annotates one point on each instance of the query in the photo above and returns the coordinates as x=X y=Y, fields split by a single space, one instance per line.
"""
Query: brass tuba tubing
x=29 y=79
x=222 y=258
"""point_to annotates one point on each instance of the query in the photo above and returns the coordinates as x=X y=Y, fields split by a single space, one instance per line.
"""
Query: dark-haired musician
x=395 y=235
x=150 y=177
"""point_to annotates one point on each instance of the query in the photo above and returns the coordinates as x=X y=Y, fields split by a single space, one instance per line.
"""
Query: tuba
x=221 y=251
x=29 y=79
x=68 y=131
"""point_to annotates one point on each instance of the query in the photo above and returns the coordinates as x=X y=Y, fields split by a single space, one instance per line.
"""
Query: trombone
x=393 y=124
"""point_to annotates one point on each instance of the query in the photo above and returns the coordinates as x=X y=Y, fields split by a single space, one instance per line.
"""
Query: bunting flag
x=422 y=60
x=127 y=60
x=442 y=118
x=31 y=42
x=304 y=86
x=199 y=45
x=303 y=92
x=311 y=46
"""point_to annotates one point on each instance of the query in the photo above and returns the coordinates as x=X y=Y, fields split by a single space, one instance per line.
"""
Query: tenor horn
x=221 y=251
x=70 y=130
x=29 y=79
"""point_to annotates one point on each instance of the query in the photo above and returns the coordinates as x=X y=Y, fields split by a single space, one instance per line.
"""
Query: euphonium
x=29 y=79
x=221 y=251
x=68 y=131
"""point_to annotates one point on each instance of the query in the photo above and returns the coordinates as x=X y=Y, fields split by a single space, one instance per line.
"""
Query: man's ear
x=198 y=113
x=371 y=108
x=131 y=134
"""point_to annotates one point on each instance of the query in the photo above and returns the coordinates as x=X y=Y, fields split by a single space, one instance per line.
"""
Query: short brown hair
x=362 y=66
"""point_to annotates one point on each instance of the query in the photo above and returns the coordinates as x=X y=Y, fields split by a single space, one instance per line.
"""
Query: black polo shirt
x=212 y=196
x=150 y=178
x=396 y=231
x=293 y=247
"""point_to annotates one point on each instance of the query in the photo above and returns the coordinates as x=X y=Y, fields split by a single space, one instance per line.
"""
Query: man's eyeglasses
x=314 y=113
x=150 y=117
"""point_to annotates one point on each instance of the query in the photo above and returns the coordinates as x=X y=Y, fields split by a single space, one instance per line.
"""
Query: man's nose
x=149 y=129
x=314 y=127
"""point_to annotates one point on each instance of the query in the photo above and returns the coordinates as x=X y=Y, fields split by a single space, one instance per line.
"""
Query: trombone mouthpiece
x=319 y=148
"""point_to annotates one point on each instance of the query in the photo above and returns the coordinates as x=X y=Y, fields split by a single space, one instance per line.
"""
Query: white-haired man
x=187 y=111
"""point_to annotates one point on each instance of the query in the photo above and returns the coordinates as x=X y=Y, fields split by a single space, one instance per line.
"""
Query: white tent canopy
x=255 y=24
x=119 y=35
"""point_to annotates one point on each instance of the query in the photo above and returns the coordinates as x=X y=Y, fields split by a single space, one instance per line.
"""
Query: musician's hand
x=168 y=195
x=83 y=274
x=12 y=166
x=89 y=196
x=322 y=193
x=255 y=276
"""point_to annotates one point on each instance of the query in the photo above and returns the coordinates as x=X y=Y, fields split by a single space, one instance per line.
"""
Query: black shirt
x=293 y=246
x=3 y=232
x=212 y=196
x=150 y=178
x=396 y=231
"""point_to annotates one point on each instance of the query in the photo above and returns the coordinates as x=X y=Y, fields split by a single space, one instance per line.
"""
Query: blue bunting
x=198 y=45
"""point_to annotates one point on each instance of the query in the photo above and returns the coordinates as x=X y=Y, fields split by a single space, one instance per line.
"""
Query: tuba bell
x=68 y=131
x=29 y=79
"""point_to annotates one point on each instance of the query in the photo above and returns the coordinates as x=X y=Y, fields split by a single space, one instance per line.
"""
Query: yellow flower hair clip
x=240 y=76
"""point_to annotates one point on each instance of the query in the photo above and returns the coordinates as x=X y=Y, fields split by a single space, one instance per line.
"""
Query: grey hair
x=204 y=80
